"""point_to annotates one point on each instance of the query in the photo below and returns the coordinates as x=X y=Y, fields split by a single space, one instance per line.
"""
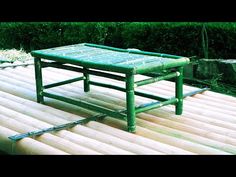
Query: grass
x=214 y=84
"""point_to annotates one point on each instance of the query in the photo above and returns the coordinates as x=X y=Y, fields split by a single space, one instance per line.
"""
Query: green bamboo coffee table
x=92 y=59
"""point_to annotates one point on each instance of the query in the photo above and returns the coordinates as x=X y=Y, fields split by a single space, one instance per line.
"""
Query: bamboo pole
x=181 y=143
x=162 y=89
x=220 y=110
x=46 y=138
x=30 y=95
x=209 y=95
x=190 y=121
x=214 y=94
x=167 y=113
x=220 y=96
x=191 y=129
x=212 y=121
x=75 y=138
x=187 y=88
x=118 y=142
x=91 y=95
x=218 y=104
x=202 y=118
x=196 y=137
x=196 y=102
x=92 y=135
x=171 y=85
x=60 y=112
x=138 y=139
x=218 y=100
x=106 y=91
x=55 y=120
x=210 y=113
x=167 y=83
x=213 y=99
x=27 y=146
x=192 y=137
x=163 y=108
x=230 y=148
x=151 y=144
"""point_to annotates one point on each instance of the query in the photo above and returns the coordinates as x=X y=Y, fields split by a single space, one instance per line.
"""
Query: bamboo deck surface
x=207 y=125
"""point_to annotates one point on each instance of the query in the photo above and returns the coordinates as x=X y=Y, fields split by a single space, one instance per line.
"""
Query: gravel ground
x=15 y=56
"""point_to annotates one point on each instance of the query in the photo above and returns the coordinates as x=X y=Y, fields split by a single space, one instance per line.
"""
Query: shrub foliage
x=179 y=38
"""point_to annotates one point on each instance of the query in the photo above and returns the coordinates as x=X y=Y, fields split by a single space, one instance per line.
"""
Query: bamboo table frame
x=92 y=59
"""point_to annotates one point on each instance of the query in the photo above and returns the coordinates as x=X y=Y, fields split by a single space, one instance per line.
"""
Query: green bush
x=179 y=38
x=29 y=35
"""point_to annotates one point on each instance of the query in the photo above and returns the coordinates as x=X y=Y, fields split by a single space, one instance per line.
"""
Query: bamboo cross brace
x=56 y=128
x=156 y=79
x=64 y=82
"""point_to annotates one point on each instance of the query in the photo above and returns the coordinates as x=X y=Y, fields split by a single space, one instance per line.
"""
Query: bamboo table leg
x=130 y=103
x=38 y=79
x=86 y=81
x=179 y=91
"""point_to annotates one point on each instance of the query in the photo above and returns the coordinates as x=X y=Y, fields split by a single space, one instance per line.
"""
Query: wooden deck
x=207 y=125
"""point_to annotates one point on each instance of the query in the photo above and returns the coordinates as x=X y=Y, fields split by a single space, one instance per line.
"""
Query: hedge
x=179 y=38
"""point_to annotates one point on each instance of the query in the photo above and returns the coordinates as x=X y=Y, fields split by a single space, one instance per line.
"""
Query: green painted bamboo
x=64 y=82
x=87 y=105
x=167 y=62
x=76 y=69
x=133 y=51
x=153 y=74
x=146 y=107
x=5 y=61
x=105 y=47
x=130 y=103
x=39 y=81
x=51 y=64
x=147 y=68
x=106 y=75
x=179 y=91
x=146 y=95
x=126 y=68
x=155 y=79
x=155 y=54
x=195 y=92
x=88 y=64
x=56 y=128
x=107 y=86
x=86 y=80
